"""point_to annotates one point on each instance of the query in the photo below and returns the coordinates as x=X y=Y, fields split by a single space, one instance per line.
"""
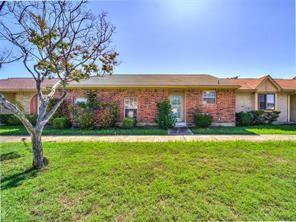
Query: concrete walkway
x=168 y=138
x=180 y=131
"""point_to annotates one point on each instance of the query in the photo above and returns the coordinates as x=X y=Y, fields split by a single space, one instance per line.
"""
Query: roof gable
x=268 y=84
x=23 y=84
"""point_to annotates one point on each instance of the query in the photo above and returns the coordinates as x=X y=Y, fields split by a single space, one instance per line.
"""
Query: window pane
x=130 y=107
x=262 y=101
x=210 y=100
x=130 y=103
x=270 y=101
x=209 y=97
x=80 y=100
x=130 y=113
x=176 y=100
x=266 y=101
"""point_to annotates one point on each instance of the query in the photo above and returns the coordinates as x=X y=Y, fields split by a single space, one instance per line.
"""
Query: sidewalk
x=182 y=138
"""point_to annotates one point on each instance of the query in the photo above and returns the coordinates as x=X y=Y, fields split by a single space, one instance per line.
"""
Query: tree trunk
x=39 y=161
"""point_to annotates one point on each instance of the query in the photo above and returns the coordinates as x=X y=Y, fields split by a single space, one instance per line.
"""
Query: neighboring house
x=22 y=91
x=267 y=93
x=138 y=95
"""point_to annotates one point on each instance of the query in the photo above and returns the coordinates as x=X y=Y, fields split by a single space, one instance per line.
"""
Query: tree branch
x=54 y=108
x=17 y=112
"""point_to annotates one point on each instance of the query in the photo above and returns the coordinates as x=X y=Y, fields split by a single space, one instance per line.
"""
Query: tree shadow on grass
x=9 y=156
x=17 y=179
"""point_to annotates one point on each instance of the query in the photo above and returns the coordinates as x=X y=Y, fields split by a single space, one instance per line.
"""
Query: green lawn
x=264 y=129
x=151 y=182
x=20 y=130
x=255 y=130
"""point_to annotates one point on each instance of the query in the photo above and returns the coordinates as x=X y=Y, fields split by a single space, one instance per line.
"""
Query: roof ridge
x=163 y=74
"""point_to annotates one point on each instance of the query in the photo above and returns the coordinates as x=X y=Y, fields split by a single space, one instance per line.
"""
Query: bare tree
x=54 y=39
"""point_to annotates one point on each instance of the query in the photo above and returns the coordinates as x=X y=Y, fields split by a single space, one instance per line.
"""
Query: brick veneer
x=223 y=111
x=147 y=101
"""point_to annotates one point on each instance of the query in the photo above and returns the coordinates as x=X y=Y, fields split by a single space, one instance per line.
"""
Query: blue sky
x=249 y=38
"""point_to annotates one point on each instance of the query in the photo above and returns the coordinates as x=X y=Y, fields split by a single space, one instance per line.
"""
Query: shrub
x=32 y=119
x=261 y=117
x=244 y=119
x=4 y=118
x=85 y=118
x=256 y=117
x=202 y=120
x=91 y=99
x=85 y=113
x=61 y=123
x=13 y=121
x=165 y=117
x=128 y=123
x=63 y=110
x=270 y=117
x=107 y=114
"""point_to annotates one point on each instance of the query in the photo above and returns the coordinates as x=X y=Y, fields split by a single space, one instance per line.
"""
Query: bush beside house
x=165 y=117
x=128 y=123
x=64 y=110
x=202 y=120
x=84 y=117
x=97 y=114
x=256 y=117
x=61 y=123
x=107 y=115
x=12 y=120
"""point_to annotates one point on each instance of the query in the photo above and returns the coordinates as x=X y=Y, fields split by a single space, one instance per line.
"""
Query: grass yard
x=20 y=130
x=248 y=130
x=251 y=130
x=151 y=182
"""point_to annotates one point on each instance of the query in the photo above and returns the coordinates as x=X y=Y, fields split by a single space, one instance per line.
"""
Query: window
x=266 y=101
x=80 y=100
x=209 y=97
x=130 y=107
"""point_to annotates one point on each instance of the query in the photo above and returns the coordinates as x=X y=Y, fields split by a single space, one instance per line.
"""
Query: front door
x=177 y=106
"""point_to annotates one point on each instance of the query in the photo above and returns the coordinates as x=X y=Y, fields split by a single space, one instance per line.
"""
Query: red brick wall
x=147 y=100
x=33 y=105
x=223 y=111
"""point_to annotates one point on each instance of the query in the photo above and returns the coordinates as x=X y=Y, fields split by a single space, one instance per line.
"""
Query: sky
x=225 y=38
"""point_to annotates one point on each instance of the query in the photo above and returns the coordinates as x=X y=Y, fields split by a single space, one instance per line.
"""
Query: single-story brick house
x=138 y=95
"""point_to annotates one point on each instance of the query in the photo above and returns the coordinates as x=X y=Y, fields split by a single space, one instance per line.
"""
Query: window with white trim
x=80 y=100
x=130 y=107
x=209 y=97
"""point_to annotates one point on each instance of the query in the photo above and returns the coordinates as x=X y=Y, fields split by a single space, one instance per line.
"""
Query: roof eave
x=153 y=86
